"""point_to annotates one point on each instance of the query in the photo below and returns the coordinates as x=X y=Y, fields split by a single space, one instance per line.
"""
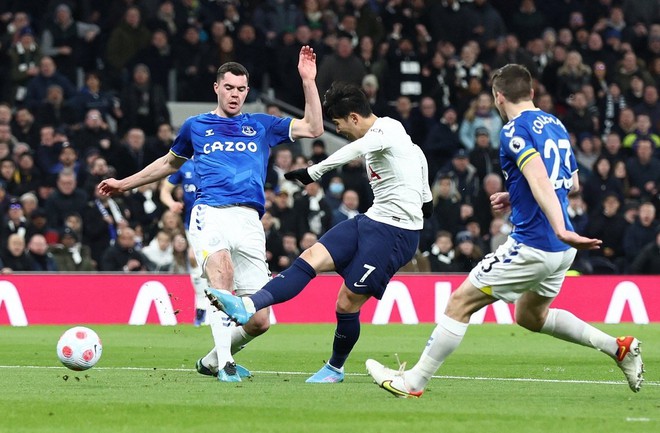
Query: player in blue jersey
x=368 y=249
x=186 y=178
x=540 y=170
x=231 y=150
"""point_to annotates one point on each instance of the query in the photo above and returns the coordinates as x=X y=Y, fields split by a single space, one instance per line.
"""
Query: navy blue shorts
x=368 y=253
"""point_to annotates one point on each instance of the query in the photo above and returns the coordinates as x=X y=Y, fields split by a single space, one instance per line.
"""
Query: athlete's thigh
x=341 y=242
x=382 y=250
x=249 y=254
x=511 y=270
x=214 y=229
x=551 y=285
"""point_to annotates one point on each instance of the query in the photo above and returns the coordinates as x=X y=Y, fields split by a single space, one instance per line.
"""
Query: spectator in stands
x=123 y=256
x=403 y=67
x=334 y=191
x=643 y=171
x=481 y=114
x=145 y=208
x=275 y=255
x=467 y=253
x=70 y=255
x=30 y=203
x=125 y=40
x=282 y=210
x=650 y=106
x=24 y=58
x=492 y=183
x=441 y=255
x=94 y=134
x=464 y=176
x=579 y=119
x=37 y=87
x=342 y=65
x=607 y=223
x=13 y=256
x=641 y=232
x=647 y=261
x=484 y=157
x=93 y=96
x=14 y=222
x=188 y=63
x=143 y=103
x=37 y=252
x=437 y=80
x=159 y=58
x=97 y=171
x=66 y=198
x=272 y=17
x=630 y=67
x=447 y=204
x=626 y=123
x=141 y=151
x=291 y=249
x=70 y=43
x=313 y=213
x=38 y=224
x=642 y=130
x=348 y=208
x=527 y=22
x=586 y=153
x=7 y=175
x=68 y=159
x=54 y=110
x=423 y=119
x=159 y=252
x=600 y=183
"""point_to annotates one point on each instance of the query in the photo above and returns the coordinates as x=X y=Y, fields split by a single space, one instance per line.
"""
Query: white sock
x=239 y=338
x=566 y=326
x=444 y=339
x=221 y=330
x=211 y=360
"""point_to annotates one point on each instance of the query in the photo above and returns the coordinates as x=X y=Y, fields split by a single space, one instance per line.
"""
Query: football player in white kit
x=368 y=249
x=529 y=269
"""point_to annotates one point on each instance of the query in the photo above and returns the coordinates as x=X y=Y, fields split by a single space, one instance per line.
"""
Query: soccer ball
x=79 y=348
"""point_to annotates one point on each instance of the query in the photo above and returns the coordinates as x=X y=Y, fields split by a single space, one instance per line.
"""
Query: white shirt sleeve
x=371 y=142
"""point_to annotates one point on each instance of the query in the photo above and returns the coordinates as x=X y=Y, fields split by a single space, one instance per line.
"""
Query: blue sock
x=285 y=285
x=346 y=335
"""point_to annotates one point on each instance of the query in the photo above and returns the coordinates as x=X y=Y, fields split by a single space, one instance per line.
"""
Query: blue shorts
x=368 y=253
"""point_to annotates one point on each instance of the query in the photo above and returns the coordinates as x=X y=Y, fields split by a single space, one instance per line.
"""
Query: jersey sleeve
x=369 y=143
x=175 y=178
x=278 y=128
x=518 y=146
x=183 y=146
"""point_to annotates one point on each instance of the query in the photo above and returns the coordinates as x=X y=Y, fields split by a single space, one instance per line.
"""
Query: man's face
x=232 y=91
x=347 y=127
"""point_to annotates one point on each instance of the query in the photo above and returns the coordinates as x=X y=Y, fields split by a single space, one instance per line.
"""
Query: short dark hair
x=514 y=82
x=234 y=68
x=342 y=99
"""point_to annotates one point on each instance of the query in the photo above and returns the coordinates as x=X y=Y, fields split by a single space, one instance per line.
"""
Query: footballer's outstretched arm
x=163 y=166
x=311 y=125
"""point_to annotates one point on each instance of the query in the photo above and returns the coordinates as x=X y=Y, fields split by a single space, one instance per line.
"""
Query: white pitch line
x=300 y=373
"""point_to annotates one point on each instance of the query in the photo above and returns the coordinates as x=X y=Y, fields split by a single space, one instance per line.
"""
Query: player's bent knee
x=259 y=323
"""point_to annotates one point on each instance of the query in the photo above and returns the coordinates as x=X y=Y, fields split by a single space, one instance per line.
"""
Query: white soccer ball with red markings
x=79 y=348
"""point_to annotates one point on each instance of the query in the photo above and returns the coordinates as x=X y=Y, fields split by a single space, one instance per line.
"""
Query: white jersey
x=397 y=172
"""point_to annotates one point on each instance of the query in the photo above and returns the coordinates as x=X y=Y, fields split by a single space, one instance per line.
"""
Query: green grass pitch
x=501 y=379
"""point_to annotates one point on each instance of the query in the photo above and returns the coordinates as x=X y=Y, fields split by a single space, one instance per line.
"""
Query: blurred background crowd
x=85 y=87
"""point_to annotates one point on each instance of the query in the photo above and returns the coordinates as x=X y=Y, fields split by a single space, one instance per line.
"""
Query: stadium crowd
x=84 y=87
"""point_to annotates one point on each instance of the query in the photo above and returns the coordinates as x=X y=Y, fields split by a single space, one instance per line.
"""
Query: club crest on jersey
x=516 y=144
x=208 y=133
x=248 y=130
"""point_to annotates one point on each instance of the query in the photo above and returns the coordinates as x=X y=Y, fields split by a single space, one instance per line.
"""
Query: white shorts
x=238 y=230
x=515 y=268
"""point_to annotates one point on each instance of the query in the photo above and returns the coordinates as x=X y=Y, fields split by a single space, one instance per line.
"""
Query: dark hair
x=234 y=68
x=342 y=99
x=514 y=82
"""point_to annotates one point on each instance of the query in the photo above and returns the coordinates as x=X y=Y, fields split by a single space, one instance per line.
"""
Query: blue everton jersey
x=536 y=134
x=187 y=178
x=231 y=155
